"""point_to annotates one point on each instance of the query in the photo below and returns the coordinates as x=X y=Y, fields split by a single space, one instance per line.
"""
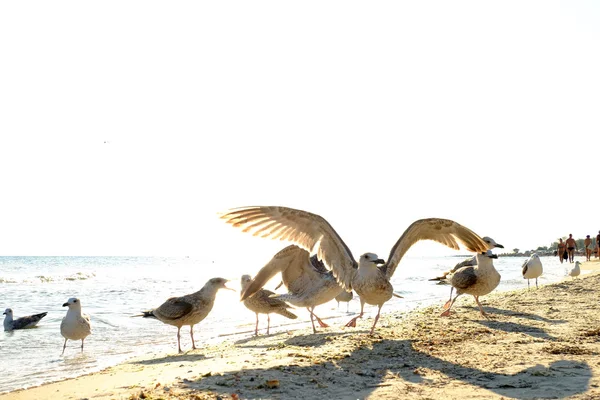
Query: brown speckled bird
x=370 y=277
x=261 y=302
x=189 y=309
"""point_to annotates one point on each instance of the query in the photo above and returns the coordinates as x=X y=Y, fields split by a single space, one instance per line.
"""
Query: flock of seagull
x=316 y=267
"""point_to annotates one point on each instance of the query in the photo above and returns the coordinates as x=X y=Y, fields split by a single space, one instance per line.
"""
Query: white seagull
x=75 y=325
x=477 y=280
x=532 y=269
x=314 y=234
x=21 y=323
x=576 y=270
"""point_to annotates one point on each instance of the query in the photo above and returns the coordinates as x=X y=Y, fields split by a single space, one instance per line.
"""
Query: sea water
x=113 y=289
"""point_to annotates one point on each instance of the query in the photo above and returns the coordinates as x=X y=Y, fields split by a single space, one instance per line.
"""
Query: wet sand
x=540 y=343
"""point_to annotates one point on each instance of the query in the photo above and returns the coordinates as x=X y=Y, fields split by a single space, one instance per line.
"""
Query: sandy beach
x=540 y=343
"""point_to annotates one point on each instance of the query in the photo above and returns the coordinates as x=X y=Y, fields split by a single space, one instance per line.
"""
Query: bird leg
x=82 y=345
x=268 y=323
x=352 y=322
x=527 y=284
x=481 y=307
x=376 y=319
x=536 y=286
x=312 y=320
x=192 y=336
x=64 y=346
x=449 y=302
x=256 y=327
x=447 y=312
x=321 y=323
x=179 y=339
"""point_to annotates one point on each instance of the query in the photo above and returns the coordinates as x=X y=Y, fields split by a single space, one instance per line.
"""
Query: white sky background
x=125 y=126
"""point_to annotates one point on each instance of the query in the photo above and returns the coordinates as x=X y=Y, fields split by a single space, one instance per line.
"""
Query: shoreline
x=537 y=345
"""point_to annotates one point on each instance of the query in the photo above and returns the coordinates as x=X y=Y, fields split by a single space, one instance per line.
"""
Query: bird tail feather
x=286 y=313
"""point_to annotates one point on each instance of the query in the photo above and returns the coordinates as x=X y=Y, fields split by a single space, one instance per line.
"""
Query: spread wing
x=174 y=308
x=309 y=231
x=284 y=261
x=443 y=231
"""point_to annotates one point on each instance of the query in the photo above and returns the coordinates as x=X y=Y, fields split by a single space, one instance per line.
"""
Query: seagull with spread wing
x=308 y=282
x=370 y=277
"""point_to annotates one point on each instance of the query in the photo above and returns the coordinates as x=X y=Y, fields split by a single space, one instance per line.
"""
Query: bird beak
x=499 y=245
x=228 y=288
x=493 y=256
x=379 y=261
x=65 y=305
x=3 y=313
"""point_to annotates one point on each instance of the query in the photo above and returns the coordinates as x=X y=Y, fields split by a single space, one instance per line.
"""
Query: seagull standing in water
x=189 y=309
x=532 y=269
x=477 y=280
x=370 y=277
x=75 y=325
x=21 y=323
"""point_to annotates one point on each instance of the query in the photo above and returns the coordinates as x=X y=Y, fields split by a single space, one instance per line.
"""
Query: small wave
x=79 y=276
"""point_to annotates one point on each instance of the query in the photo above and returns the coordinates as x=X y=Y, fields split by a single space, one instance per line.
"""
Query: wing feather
x=280 y=262
x=308 y=231
x=444 y=231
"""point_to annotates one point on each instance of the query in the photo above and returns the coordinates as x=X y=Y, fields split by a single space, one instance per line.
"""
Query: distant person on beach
x=561 y=249
x=571 y=247
x=588 y=247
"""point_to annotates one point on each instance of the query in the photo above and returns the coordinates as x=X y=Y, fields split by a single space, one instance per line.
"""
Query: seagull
x=344 y=296
x=20 y=323
x=370 y=277
x=261 y=302
x=477 y=280
x=75 y=325
x=469 y=262
x=189 y=309
x=532 y=268
x=575 y=271
x=308 y=281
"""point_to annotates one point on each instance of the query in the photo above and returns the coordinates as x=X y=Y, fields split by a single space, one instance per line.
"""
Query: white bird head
x=485 y=256
x=370 y=259
x=491 y=242
x=8 y=312
x=534 y=255
x=73 y=303
x=246 y=279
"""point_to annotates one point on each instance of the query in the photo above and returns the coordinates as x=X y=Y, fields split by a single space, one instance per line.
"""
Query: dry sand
x=541 y=343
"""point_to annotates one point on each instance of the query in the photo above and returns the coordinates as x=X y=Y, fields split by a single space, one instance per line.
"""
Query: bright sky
x=125 y=126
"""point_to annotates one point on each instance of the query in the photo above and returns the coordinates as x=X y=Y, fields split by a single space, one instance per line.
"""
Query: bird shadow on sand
x=365 y=369
x=254 y=338
x=315 y=340
x=173 y=358
x=500 y=311
x=508 y=326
